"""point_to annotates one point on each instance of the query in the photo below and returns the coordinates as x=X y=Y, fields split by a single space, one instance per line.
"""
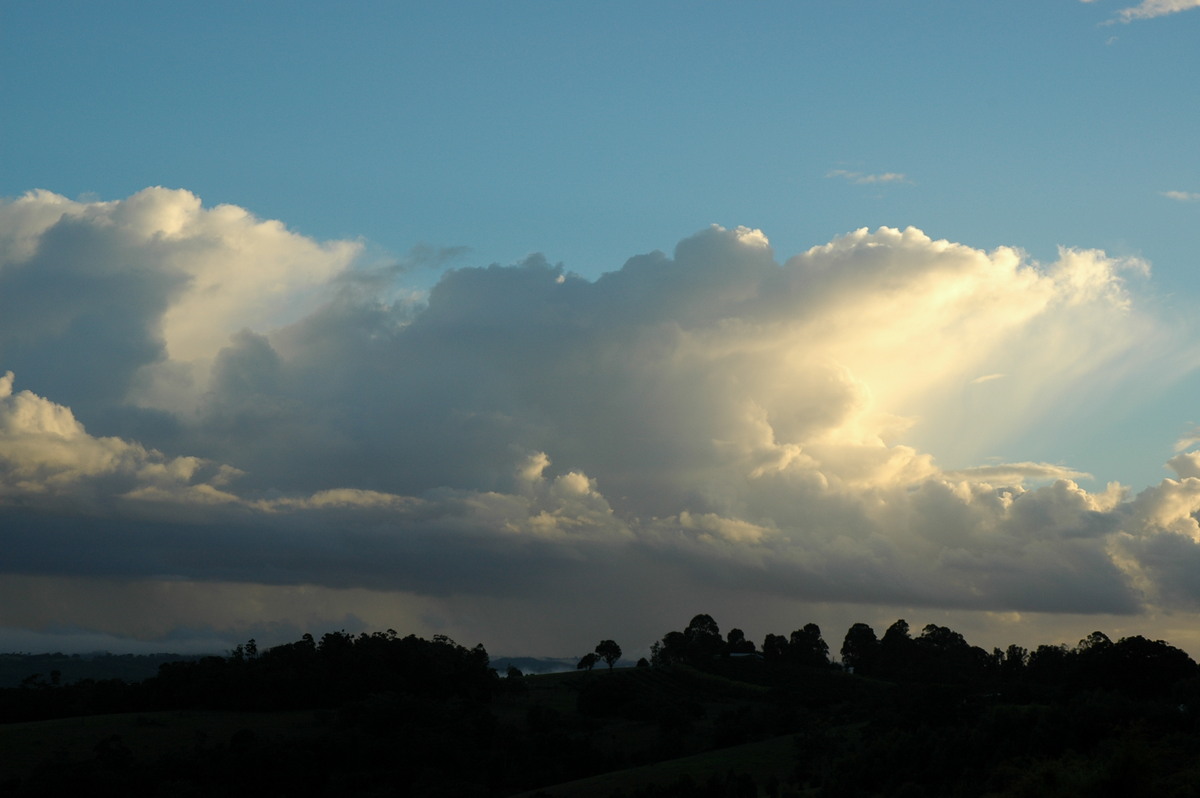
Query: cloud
x=1185 y=465
x=1149 y=9
x=129 y=301
x=713 y=418
x=1017 y=473
x=1182 y=196
x=862 y=178
x=46 y=453
x=1188 y=440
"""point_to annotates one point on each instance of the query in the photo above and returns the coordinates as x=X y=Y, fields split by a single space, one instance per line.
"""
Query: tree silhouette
x=702 y=626
x=860 y=648
x=806 y=647
x=672 y=648
x=587 y=662
x=703 y=638
x=775 y=647
x=1012 y=661
x=736 y=642
x=608 y=651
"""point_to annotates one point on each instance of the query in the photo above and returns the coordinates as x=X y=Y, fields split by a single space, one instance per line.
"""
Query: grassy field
x=631 y=726
x=762 y=759
x=26 y=746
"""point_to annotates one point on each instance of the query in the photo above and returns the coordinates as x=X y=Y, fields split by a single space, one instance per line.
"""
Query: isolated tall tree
x=608 y=651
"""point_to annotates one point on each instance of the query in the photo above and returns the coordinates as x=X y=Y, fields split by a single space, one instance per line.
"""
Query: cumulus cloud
x=1185 y=465
x=129 y=301
x=46 y=452
x=713 y=417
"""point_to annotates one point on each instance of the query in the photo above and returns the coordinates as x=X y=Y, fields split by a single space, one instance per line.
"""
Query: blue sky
x=593 y=133
x=458 y=135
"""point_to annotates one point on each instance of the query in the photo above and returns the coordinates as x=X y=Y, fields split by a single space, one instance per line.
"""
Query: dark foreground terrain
x=381 y=715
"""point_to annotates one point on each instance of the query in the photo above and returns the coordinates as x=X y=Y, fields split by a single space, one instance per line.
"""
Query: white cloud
x=45 y=451
x=1148 y=9
x=863 y=178
x=1185 y=465
x=1017 y=473
x=1182 y=196
x=176 y=280
x=713 y=417
x=1188 y=440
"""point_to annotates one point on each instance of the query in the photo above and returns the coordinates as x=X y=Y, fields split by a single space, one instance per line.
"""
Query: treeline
x=339 y=667
x=892 y=714
x=931 y=715
x=389 y=715
x=1133 y=665
x=307 y=674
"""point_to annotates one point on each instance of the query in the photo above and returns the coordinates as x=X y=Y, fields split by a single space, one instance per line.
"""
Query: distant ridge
x=547 y=664
x=534 y=664
x=16 y=669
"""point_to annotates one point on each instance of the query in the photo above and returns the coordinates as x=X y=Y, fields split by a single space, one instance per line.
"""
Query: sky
x=538 y=323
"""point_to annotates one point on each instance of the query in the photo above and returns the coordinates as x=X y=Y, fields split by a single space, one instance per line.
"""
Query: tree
x=806 y=647
x=672 y=648
x=896 y=650
x=702 y=626
x=1012 y=661
x=703 y=638
x=246 y=651
x=587 y=662
x=897 y=634
x=608 y=651
x=1096 y=641
x=1049 y=664
x=860 y=648
x=774 y=647
x=736 y=642
x=943 y=653
x=1134 y=665
x=1150 y=666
